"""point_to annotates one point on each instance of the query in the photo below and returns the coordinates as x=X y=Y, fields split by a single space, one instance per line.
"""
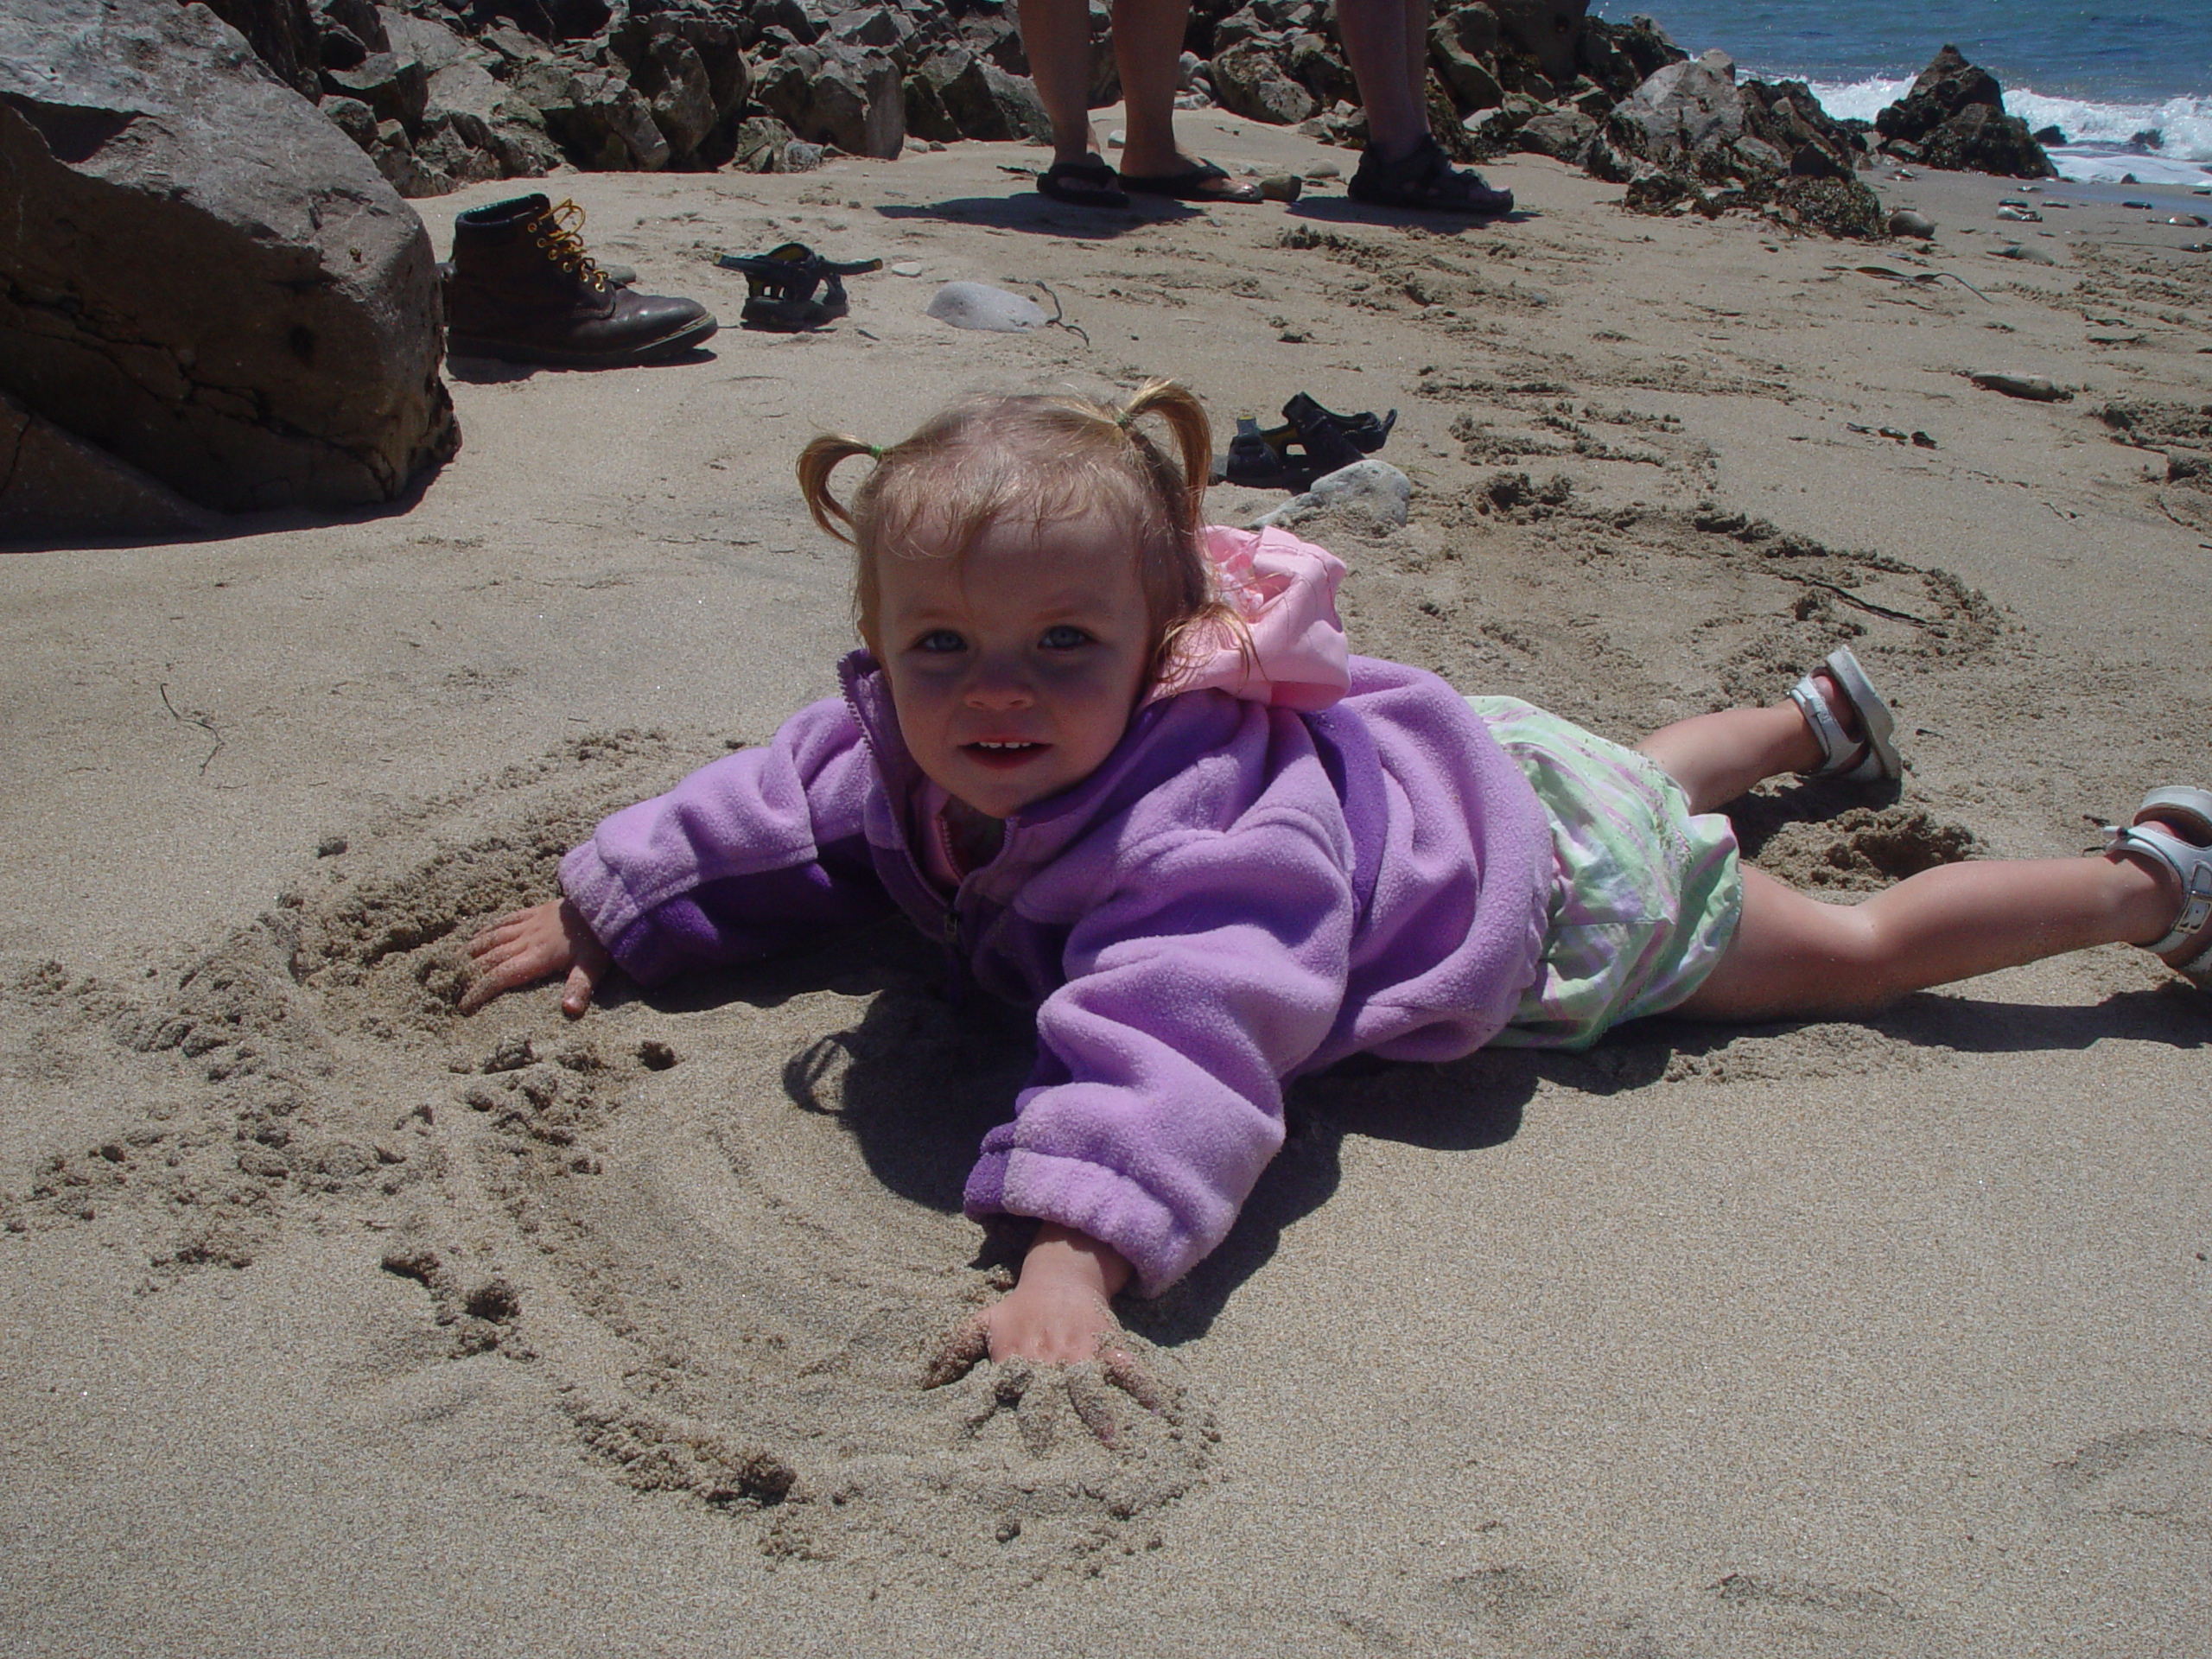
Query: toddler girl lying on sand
x=1122 y=763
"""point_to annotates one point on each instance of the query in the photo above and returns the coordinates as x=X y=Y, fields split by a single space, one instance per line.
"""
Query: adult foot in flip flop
x=1425 y=181
x=1201 y=181
x=1089 y=182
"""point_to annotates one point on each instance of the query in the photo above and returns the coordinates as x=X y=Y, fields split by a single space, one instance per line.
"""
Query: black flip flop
x=781 y=284
x=1192 y=184
x=1091 y=182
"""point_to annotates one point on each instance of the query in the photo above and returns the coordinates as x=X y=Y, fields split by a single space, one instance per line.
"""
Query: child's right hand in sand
x=528 y=946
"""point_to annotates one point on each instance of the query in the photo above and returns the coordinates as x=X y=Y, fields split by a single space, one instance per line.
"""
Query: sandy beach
x=331 y=1322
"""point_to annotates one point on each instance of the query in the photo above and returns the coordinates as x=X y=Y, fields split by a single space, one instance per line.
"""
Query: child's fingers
x=1087 y=1394
x=966 y=1348
x=575 y=996
x=1119 y=1367
x=497 y=933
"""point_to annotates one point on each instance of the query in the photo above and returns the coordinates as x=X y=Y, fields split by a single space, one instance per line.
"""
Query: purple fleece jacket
x=1240 y=894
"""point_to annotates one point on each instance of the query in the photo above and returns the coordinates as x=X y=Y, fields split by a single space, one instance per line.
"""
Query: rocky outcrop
x=1953 y=117
x=202 y=277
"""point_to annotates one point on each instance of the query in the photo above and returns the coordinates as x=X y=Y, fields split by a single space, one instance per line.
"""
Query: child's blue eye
x=940 y=639
x=1064 y=637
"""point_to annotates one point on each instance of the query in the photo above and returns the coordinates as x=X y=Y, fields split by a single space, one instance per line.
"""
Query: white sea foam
x=2100 y=137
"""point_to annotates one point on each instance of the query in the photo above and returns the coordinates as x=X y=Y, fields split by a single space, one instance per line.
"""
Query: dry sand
x=336 y=1324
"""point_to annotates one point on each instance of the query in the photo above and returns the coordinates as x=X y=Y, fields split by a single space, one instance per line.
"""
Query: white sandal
x=1857 y=761
x=2173 y=827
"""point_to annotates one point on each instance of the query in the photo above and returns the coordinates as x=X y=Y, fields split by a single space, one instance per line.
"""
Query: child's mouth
x=1001 y=755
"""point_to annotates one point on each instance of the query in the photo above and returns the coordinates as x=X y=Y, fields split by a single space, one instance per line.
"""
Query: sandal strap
x=1838 y=752
x=1866 y=758
x=2151 y=837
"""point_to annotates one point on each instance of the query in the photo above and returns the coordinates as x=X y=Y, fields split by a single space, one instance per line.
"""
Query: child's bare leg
x=1716 y=758
x=1794 y=955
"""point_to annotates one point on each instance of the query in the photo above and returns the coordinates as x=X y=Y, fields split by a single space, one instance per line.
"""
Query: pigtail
x=816 y=462
x=1179 y=406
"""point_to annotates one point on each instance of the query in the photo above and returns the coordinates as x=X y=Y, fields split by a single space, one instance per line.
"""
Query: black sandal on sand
x=1258 y=461
x=1091 y=182
x=1314 y=444
x=1425 y=181
x=1315 y=424
x=781 y=284
x=1201 y=183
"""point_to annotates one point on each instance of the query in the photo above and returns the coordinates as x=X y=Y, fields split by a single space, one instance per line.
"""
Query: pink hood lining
x=1284 y=591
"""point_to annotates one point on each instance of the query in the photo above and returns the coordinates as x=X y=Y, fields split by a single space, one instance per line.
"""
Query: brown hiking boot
x=524 y=291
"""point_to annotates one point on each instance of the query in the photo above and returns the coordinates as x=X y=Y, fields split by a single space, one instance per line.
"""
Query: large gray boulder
x=200 y=275
x=1686 y=110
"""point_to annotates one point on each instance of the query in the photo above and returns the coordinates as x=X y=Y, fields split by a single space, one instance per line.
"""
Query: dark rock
x=2050 y=137
x=353 y=118
x=200 y=275
x=691 y=69
x=457 y=150
x=359 y=18
x=397 y=88
x=850 y=97
x=429 y=43
x=595 y=115
x=54 y=484
x=284 y=34
x=1565 y=135
x=1621 y=56
x=981 y=100
x=1239 y=26
x=760 y=145
x=1249 y=81
x=1548 y=31
x=1316 y=64
x=790 y=16
x=1462 y=46
x=1953 y=117
x=682 y=101
x=338 y=47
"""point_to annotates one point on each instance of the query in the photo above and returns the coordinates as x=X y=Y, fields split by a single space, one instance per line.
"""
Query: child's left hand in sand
x=1058 y=1314
x=527 y=945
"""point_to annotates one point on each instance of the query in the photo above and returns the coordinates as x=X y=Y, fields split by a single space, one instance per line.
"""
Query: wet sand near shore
x=334 y=1324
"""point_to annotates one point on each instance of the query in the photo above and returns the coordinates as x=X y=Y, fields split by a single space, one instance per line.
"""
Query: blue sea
x=2108 y=76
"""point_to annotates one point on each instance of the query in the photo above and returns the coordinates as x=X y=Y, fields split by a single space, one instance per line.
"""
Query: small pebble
x=908 y=268
x=330 y=847
x=1324 y=170
x=1117 y=138
x=1906 y=222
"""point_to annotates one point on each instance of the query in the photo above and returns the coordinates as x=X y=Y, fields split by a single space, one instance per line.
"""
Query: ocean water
x=2104 y=74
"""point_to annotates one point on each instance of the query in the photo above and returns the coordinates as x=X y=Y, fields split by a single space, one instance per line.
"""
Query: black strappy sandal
x=1426 y=182
x=1315 y=424
x=782 y=284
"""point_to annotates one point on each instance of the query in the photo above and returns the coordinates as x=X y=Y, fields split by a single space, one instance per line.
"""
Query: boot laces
x=556 y=232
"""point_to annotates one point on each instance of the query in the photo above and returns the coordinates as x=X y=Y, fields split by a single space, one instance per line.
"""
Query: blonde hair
x=1048 y=457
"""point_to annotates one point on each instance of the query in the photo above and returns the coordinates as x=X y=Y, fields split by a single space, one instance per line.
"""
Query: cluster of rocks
x=444 y=93
x=1953 y=117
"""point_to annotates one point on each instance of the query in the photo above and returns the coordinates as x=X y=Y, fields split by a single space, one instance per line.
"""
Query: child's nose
x=999 y=685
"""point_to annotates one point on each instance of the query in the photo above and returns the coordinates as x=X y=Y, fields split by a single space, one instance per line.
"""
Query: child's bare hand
x=528 y=946
x=1058 y=1314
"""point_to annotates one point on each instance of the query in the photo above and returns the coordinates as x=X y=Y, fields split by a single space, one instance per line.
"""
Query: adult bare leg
x=1056 y=34
x=1386 y=43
